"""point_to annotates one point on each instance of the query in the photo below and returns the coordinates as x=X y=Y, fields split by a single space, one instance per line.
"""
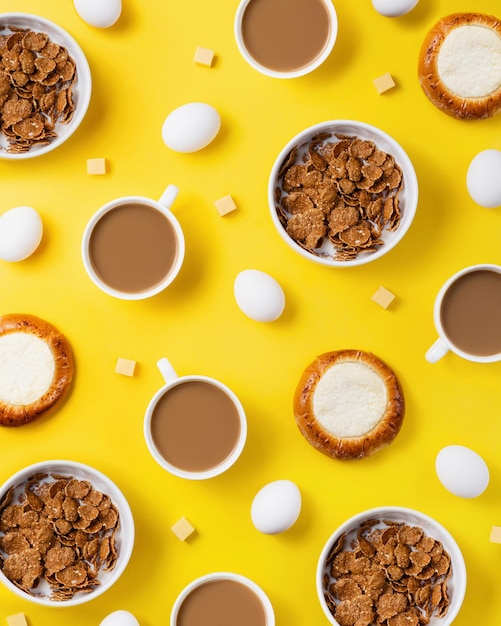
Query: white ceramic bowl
x=217 y=576
x=408 y=195
x=124 y=537
x=456 y=584
x=81 y=90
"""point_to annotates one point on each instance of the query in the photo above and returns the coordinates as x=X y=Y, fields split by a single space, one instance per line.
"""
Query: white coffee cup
x=293 y=73
x=223 y=576
x=444 y=344
x=172 y=380
x=163 y=207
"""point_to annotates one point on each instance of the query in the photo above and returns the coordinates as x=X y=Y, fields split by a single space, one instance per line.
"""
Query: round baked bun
x=348 y=404
x=459 y=65
x=36 y=368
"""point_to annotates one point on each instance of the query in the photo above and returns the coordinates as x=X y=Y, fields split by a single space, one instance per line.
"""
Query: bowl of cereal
x=391 y=565
x=342 y=193
x=45 y=86
x=66 y=533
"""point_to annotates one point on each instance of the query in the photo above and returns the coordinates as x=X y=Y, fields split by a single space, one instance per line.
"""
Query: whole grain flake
x=58 y=532
x=390 y=573
x=343 y=189
x=37 y=77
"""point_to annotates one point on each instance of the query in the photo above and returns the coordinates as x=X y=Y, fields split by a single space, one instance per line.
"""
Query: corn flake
x=387 y=573
x=36 y=79
x=352 y=182
x=59 y=531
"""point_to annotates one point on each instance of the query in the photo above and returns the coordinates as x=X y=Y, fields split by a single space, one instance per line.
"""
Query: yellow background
x=142 y=69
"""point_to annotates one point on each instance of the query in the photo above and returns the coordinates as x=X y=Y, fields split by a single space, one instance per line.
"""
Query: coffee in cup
x=133 y=247
x=222 y=598
x=195 y=426
x=467 y=315
x=285 y=38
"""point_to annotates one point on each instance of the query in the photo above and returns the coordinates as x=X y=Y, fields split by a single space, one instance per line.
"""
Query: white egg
x=120 y=618
x=276 y=507
x=21 y=232
x=99 y=13
x=191 y=127
x=483 y=179
x=259 y=296
x=462 y=471
x=394 y=8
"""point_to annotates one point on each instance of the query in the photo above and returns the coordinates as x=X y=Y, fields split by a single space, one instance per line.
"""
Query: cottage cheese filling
x=26 y=368
x=469 y=61
x=349 y=399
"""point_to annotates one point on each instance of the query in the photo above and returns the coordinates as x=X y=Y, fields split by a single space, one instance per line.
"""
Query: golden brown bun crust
x=433 y=87
x=348 y=447
x=18 y=415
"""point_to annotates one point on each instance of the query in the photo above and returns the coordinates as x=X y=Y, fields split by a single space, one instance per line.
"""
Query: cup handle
x=168 y=196
x=437 y=351
x=166 y=369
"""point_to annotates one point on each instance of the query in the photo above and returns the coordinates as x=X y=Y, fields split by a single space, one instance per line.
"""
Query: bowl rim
x=84 y=82
x=126 y=530
x=401 y=157
x=394 y=513
x=223 y=575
